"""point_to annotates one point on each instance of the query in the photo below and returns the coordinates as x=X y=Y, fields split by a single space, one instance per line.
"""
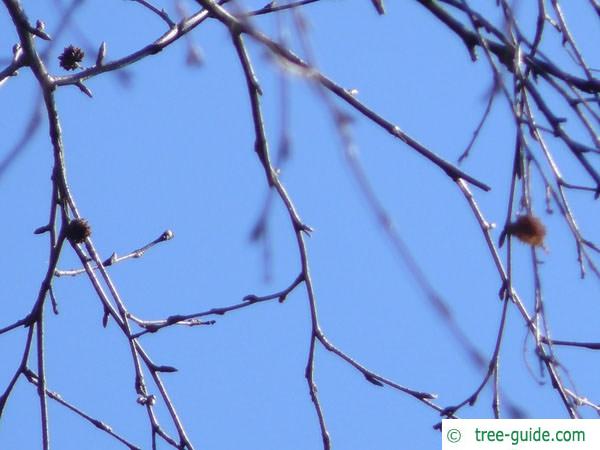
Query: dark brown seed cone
x=78 y=230
x=71 y=57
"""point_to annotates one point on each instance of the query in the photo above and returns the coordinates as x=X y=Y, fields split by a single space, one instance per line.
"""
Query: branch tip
x=42 y=230
x=101 y=54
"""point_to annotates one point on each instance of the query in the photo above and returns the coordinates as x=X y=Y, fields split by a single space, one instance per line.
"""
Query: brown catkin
x=528 y=229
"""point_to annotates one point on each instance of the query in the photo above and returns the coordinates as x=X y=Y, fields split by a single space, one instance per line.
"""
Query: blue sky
x=173 y=149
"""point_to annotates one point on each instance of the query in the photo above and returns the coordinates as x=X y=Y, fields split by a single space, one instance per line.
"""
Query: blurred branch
x=159 y=12
x=588 y=345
